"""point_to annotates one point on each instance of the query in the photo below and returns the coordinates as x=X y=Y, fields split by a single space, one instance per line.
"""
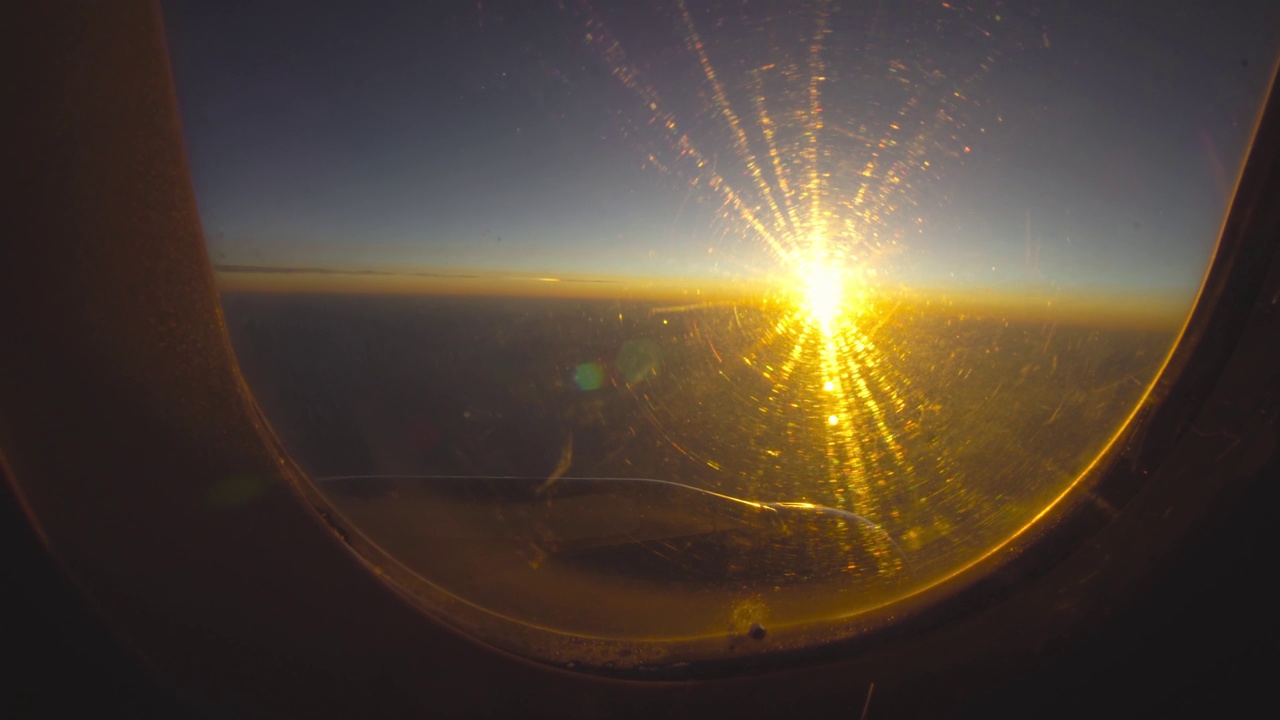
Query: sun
x=823 y=290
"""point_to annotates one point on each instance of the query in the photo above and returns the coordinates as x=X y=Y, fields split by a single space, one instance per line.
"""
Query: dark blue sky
x=1059 y=144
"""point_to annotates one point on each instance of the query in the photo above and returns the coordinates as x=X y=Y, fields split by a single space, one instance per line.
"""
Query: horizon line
x=1151 y=308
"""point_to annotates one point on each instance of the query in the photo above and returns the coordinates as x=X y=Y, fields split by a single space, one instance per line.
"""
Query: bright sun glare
x=823 y=286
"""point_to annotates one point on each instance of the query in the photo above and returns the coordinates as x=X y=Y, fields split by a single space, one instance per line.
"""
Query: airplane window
x=637 y=333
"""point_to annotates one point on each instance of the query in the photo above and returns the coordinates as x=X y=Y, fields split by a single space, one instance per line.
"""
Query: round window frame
x=116 y=349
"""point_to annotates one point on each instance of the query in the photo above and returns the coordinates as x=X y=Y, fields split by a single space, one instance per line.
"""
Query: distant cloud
x=267 y=269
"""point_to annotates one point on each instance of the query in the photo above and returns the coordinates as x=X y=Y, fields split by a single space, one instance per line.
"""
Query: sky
x=1058 y=146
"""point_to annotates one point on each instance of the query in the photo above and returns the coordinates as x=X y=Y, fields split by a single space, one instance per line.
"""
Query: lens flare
x=814 y=189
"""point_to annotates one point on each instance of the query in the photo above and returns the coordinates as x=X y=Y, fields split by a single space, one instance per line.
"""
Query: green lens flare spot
x=588 y=376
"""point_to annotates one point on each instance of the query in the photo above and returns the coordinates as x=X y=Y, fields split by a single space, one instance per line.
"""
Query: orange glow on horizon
x=836 y=295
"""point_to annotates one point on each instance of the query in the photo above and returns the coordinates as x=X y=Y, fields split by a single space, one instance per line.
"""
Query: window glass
x=686 y=321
